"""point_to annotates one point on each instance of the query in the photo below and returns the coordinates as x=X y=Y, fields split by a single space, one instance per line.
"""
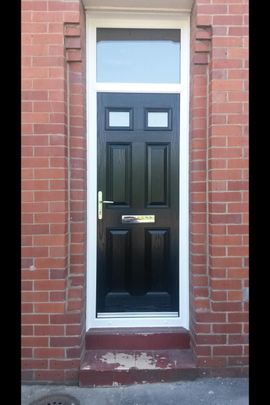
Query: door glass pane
x=157 y=119
x=138 y=55
x=119 y=119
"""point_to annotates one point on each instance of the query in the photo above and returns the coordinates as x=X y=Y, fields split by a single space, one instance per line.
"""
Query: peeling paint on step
x=139 y=361
x=120 y=361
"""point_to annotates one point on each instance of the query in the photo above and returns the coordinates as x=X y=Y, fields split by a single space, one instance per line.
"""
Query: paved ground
x=210 y=391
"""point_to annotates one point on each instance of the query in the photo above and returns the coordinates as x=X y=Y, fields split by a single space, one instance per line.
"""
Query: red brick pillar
x=219 y=186
x=53 y=190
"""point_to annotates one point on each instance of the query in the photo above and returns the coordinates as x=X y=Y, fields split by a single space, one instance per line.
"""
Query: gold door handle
x=100 y=204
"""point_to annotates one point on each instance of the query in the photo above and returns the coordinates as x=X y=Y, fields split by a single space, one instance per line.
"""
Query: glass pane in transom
x=138 y=55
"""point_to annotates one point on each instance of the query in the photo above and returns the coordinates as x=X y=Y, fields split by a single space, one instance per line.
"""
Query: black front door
x=137 y=229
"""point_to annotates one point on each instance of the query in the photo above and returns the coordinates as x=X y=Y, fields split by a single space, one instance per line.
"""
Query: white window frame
x=137 y=20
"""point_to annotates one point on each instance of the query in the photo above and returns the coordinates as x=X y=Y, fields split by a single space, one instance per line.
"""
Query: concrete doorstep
x=210 y=391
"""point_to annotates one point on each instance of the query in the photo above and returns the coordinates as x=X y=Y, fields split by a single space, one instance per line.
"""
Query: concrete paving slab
x=210 y=391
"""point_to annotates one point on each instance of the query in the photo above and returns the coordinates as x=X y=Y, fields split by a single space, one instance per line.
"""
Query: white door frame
x=137 y=20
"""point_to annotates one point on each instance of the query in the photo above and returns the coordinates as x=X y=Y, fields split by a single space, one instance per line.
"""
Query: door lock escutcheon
x=100 y=204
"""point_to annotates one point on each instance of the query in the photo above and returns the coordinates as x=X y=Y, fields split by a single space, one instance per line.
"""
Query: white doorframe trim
x=137 y=20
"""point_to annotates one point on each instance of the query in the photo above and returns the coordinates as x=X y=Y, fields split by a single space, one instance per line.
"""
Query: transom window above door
x=129 y=55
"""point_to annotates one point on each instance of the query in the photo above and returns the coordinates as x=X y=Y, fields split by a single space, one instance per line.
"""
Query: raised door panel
x=118 y=173
x=157 y=175
x=118 y=259
x=157 y=258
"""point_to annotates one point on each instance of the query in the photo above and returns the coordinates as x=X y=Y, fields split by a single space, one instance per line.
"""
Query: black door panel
x=138 y=169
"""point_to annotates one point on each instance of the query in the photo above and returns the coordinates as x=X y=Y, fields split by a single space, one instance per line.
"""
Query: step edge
x=137 y=331
x=94 y=379
x=154 y=338
x=187 y=362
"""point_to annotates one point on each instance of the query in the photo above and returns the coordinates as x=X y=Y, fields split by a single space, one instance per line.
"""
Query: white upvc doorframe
x=137 y=20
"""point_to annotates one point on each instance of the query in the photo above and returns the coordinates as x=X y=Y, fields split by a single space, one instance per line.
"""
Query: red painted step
x=136 y=355
x=115 y=367
x=137 y=338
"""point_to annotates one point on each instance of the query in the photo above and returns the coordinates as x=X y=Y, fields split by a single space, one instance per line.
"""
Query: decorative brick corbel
x=72 y=36
x=202 y=46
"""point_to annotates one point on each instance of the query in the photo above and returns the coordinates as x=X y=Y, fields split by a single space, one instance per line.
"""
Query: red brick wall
x=219 y=185
x=53 y=189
